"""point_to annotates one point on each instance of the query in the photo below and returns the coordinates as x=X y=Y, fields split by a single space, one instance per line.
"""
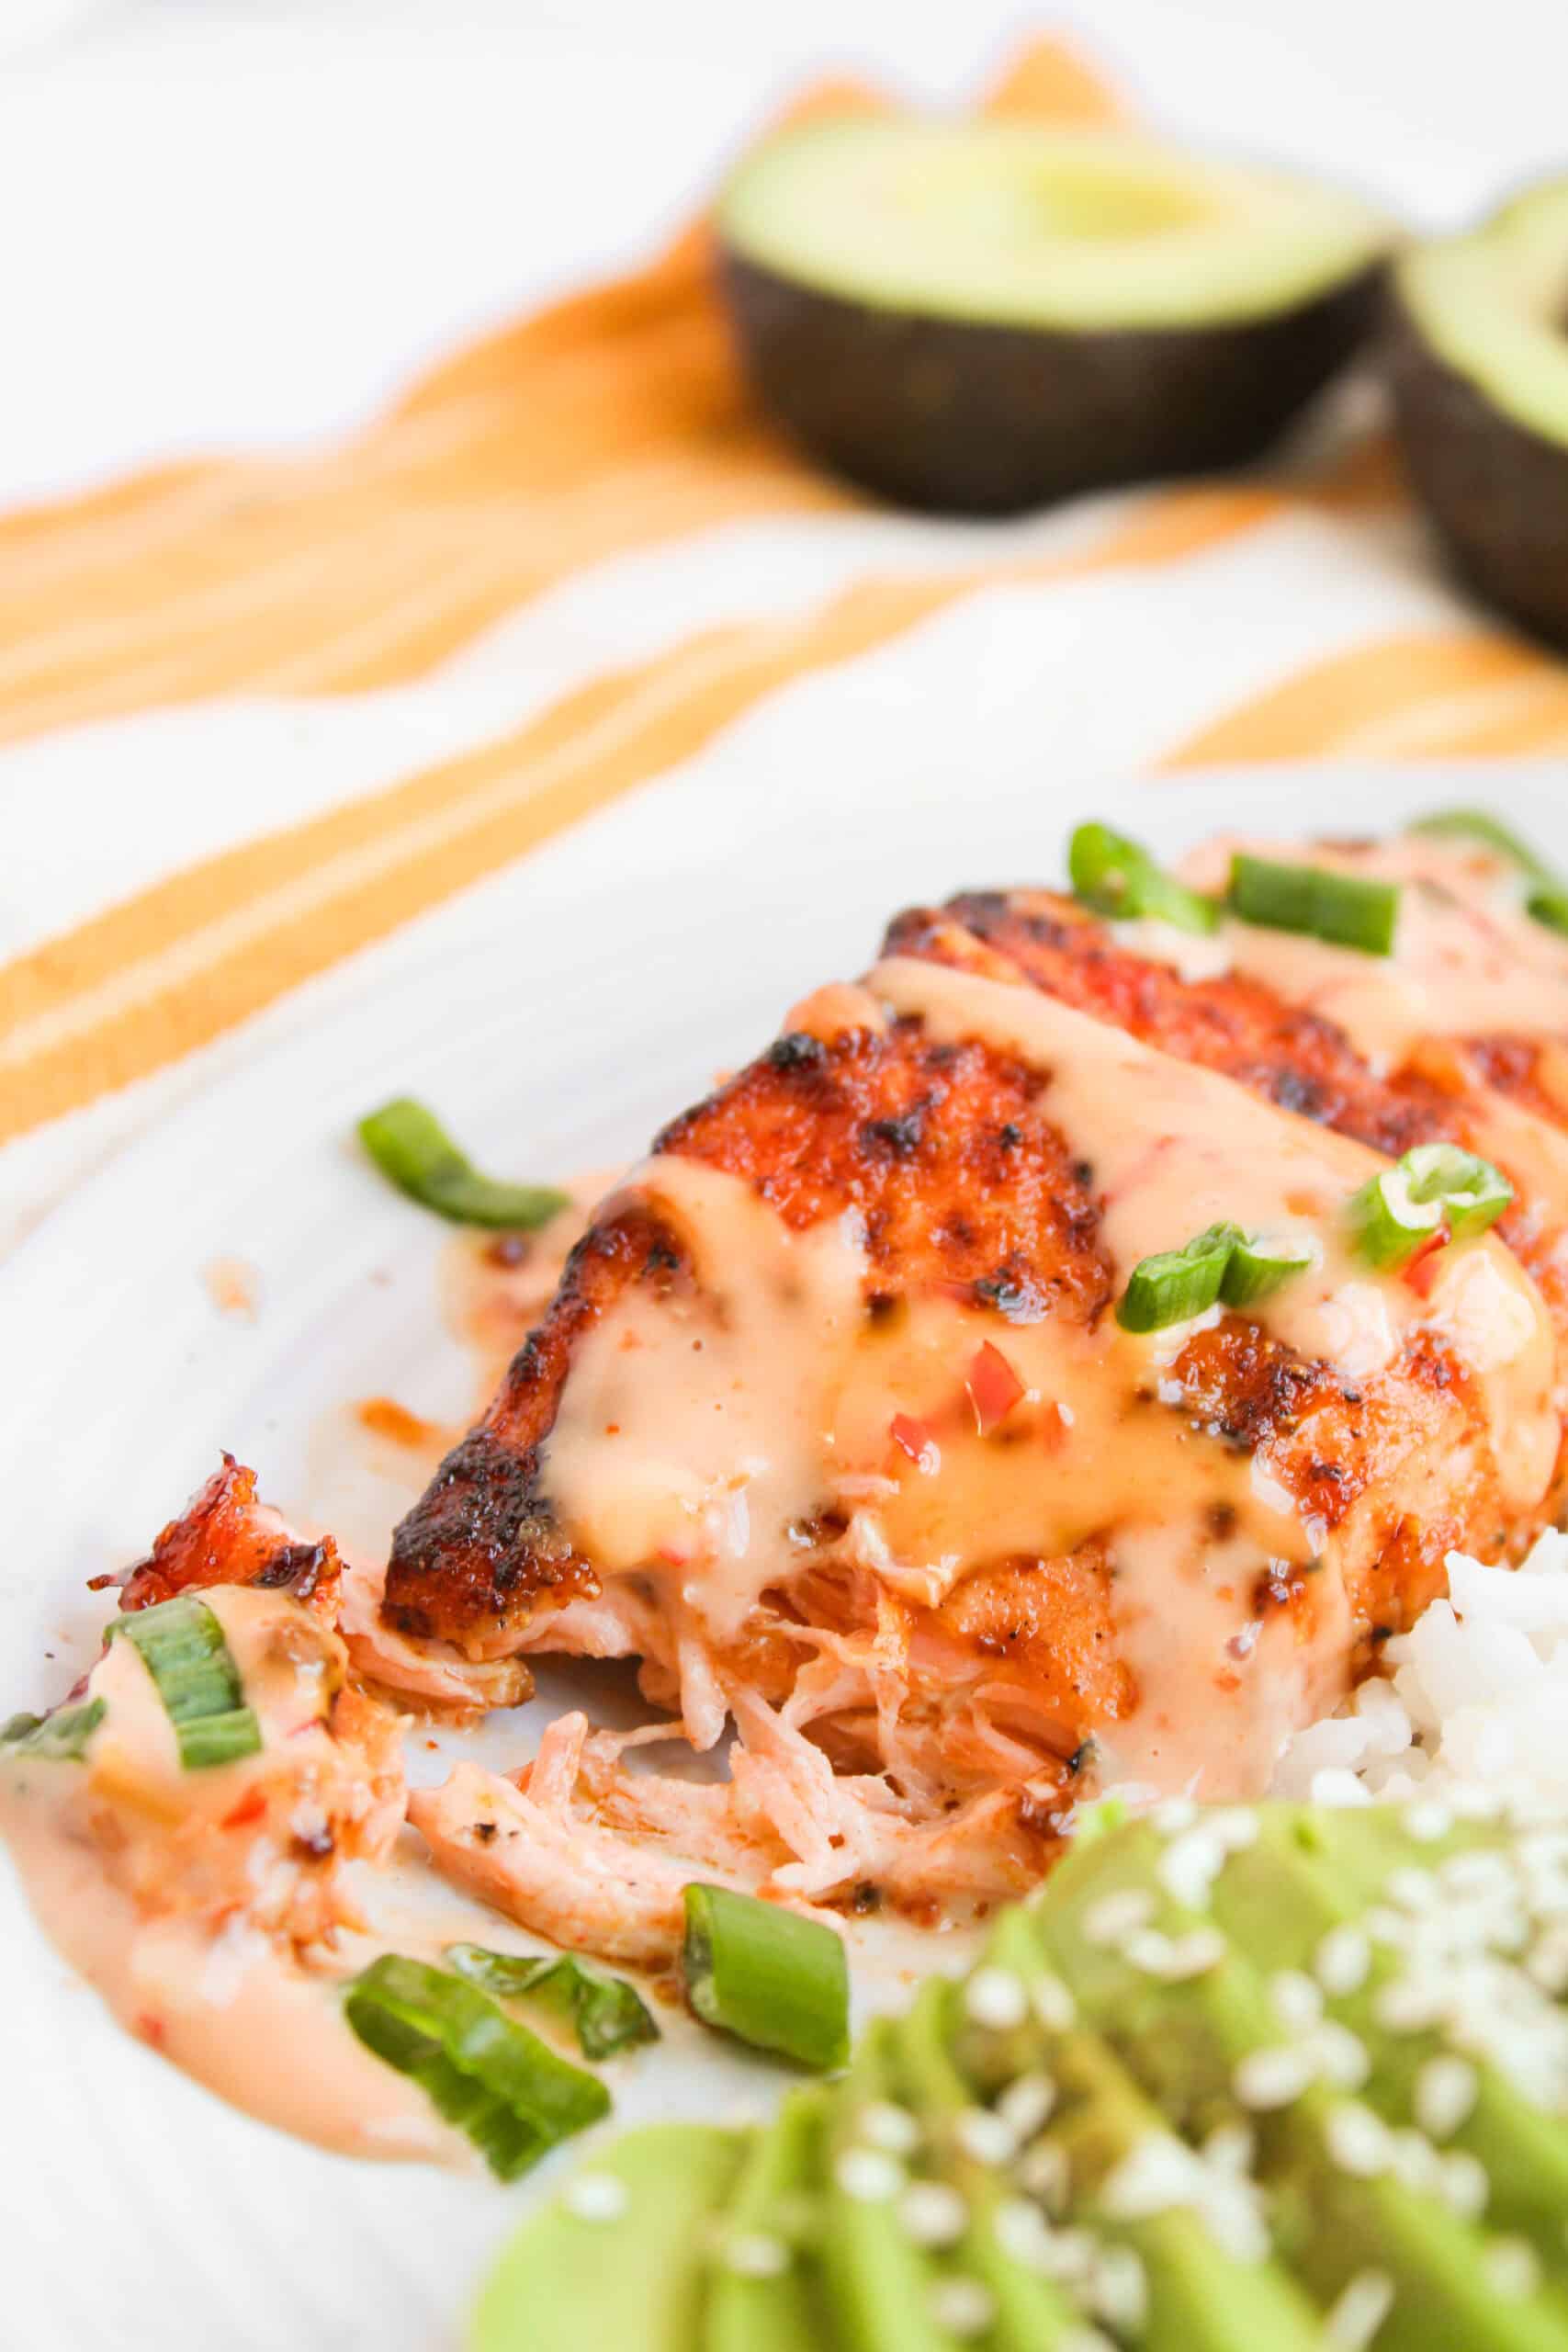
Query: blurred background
x=247 y=222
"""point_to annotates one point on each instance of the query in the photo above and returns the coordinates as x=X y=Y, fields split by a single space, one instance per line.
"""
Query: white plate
x=556 y=1016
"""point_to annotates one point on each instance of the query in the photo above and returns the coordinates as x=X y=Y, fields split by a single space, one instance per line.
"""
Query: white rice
x=1479 y=1696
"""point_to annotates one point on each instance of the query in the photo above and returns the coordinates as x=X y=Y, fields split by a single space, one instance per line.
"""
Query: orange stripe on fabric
x=174 y=966
x=1328 y=708
x=613 y=420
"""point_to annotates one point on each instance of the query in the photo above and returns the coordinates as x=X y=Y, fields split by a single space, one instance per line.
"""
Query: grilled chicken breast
x=832 y=1425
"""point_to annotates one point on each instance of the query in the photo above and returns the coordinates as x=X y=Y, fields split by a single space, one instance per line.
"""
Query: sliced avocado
x=1062 y=2100
x=749 y=2307
x=1032 y=2313
x=1201 y=2297
x=633 y=2275
x=1478 y=360
x=1185 y=2042
x=1313 y=1871
x=987 y=316
x=878 y=2284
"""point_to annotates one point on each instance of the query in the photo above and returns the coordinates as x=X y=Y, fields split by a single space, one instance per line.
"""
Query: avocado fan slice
x=1134 y=2010
x=629 y=2267
x=878 y=2284
x=1032 y=2313
x=1186 y=2040
x=1312 y=1872
x=1478 y=362
x=761 y=2293
x=1201 y=2297
x=986 y=316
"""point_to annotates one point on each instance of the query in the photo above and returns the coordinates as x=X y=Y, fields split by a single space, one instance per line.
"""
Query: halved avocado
x=987 y=316
x=1479 y=365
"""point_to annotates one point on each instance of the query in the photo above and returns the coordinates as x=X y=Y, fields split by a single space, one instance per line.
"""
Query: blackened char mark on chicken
x=226 y=1536
x=957 y=1180
x=1229 y=1022
x=481 y=1550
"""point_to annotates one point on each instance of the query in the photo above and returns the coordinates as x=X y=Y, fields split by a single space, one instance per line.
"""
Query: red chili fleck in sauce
x=913 y=1438
x=1422 y=1271
x=993 y=1387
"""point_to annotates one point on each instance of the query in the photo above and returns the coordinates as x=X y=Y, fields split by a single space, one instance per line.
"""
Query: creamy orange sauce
x=287 y=1665
x=110 y=1853
x=229 y=2009
x=1467 y=960
x=1175 y=1147
x=1467 y=963
x=495 y=1287
x=699 y=1436
x=1219 y=1683
x=234 y=1287
x=384 y=1416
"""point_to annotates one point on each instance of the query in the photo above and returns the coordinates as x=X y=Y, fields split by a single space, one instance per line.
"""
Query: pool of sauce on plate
x=228 y=2003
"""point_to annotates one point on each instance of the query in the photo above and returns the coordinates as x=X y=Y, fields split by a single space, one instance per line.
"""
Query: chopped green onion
x=481 y=2070
x=183 y=1648
x=208 y=1740
x=1115 y=876
x=1388 y=1226
x=1489 y=832
x=1174 y=1284
x=768 y=1976
x=409 y=1145
x=1473 y=1193
x=606 y=2013
x=1547 y=901
x=1256 y=1267
x=1436 y=1187
x=1549 y=906
x=1344 y=908
x=61 y=1737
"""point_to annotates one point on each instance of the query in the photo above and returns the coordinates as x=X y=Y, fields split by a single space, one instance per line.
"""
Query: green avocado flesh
x=988 y=315
x=1240 y=2080
x=1479 y=366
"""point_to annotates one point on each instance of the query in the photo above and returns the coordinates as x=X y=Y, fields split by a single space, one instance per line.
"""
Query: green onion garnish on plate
x=1346 y=910
x=61 y=1738
x=412 y=1147
x=480 y=2070
x=606 y=2013
x=1436 y=1188
x=1176 y=1284
x=1115 y=876
x=767 y=1976
x=183 y=1648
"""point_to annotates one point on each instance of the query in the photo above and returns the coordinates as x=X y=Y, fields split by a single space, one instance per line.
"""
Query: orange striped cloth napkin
x=274 y=711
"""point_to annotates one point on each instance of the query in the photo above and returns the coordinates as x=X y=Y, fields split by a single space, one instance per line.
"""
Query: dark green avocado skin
x=1496 y=492
x=971 y=419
